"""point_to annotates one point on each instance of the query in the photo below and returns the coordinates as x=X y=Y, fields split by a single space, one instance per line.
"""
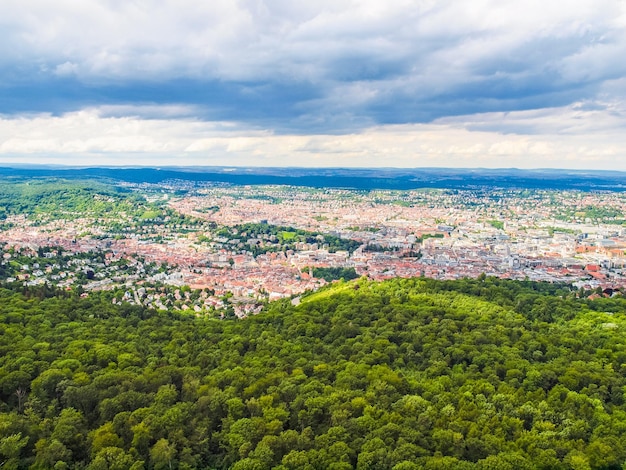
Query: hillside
x=405 y=374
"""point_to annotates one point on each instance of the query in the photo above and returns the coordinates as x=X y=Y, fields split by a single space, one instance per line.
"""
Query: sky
x=325 y=83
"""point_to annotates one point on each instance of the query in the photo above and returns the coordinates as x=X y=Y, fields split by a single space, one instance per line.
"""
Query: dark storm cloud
x=330 y=65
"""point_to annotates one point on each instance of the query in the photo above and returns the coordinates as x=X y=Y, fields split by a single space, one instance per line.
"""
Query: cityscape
x=244 y=245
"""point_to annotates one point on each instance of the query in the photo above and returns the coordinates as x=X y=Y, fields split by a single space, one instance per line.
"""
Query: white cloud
x=91 y=137
x=261 y=39
x=582 y=120
x=65 y=69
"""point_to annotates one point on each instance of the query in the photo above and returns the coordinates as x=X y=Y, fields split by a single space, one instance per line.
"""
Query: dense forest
x=277 y=238
x=62 y=199
x=404 y=374
x=115 y=211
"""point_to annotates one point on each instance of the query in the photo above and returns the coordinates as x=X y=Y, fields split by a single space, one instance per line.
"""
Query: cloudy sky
x=352 y=83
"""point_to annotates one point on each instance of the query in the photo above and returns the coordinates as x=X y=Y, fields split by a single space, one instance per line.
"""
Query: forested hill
x=405 y=374
x=355 y=178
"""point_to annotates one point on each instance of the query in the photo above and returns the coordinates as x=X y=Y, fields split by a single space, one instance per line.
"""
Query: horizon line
x=15 y=165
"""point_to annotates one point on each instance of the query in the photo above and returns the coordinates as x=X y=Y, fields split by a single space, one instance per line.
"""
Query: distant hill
x=363 y=179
